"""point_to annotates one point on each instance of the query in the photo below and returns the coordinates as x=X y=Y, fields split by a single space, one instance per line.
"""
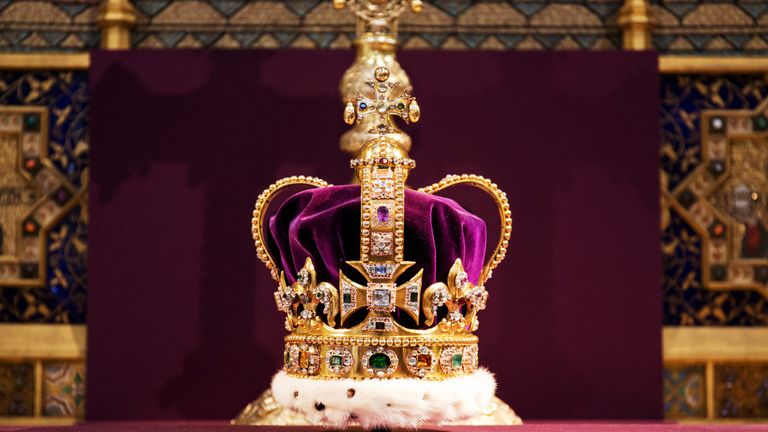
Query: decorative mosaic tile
x=48 y=25
x=64 y=389
x=17 y=389
x=710 y=27
x=686 y=301
x=741 y=390
x=483 y=24
x=62 y=298
x=684 y=391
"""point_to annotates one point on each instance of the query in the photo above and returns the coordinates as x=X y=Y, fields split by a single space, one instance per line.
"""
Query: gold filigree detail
x=505 y=215
x=259 y=214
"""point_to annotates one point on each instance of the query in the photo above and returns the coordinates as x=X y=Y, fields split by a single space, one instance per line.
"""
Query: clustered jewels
x=380 y=271
x=420 y=361
x=381 y=243
x=302 y=359
x=348 y=297
x=452 y=360
x=412 y=294
x=383 y=189
x=379 y=362
x=379 y=323
x=408 y=163
x=339 y=360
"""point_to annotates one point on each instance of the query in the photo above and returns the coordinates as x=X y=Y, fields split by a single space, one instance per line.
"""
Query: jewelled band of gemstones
x=382 y=205
x=260 y=213
x=501 y=201
x=432 y=362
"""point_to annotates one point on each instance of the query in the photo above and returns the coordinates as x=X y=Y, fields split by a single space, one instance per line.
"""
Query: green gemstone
x=456 y=360
x=761 y=123
x=401 y=106
x=32 y=122
x=347 y=298
x=414 y=297
x=335 y=360
x=379 y=361
x=287 y=357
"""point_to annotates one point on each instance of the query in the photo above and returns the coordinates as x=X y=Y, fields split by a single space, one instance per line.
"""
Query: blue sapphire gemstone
x=363 y=105
x=380 y=270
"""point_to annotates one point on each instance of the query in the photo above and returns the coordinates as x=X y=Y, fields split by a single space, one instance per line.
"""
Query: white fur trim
x=402 y=402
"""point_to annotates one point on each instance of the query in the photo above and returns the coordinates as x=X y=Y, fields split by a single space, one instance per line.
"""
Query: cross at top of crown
x=384 y=103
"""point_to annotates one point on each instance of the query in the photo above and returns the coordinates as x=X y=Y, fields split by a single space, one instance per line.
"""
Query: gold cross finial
x=384 y=104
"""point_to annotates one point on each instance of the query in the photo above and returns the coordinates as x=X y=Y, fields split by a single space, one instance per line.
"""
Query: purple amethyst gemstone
x=382 y=213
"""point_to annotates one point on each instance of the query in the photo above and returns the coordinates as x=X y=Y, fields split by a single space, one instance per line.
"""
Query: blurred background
x=712 y=166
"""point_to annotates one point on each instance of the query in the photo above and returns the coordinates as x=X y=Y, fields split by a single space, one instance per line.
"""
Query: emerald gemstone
x=335 y=360
x=287 y=357
x=347 y=298
x=456 y=360
x=401 y=106
x=414 y=297
x=761 y=123
x=379 y=361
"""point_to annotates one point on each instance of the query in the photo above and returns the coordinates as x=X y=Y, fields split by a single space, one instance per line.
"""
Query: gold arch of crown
x=380 y=347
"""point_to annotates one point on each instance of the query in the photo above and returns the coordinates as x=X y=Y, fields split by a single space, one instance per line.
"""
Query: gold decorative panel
x=33 y=195
x=724 y=199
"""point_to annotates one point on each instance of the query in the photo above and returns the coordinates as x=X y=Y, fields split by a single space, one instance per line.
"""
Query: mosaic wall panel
x=710 y=27
x=31 y=25
x=686 y=300
x=43 y=210
x=64 y=389
x=741 y=390
x=684 y=391
x=450 y=24
x=681 y=26
x=17 y=389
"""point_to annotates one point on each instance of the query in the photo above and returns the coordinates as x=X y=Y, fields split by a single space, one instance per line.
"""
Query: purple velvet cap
x=324 y=224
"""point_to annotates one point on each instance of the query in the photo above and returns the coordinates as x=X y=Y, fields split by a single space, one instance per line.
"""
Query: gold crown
x=325 y=341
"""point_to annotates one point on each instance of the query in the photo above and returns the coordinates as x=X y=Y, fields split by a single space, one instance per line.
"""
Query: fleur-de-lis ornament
x=461 y=298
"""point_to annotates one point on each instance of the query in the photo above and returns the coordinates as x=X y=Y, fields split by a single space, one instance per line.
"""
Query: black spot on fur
x=319 y=406
x=350 y=393
x=295 y=394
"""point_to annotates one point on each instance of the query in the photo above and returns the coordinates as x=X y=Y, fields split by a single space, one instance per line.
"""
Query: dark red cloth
x=324 y=224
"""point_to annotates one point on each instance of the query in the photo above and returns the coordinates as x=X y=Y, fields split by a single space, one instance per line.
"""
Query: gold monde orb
x=381 y=74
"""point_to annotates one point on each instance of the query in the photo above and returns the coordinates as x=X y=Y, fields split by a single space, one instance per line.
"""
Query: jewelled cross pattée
x=382 y=202
x=384 y=105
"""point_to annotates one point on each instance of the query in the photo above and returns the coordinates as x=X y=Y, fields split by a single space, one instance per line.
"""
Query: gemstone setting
x=379 y=362
x=381 y=243
x=302 y=359
x=381 y=297
x=379 y=323
x=452 y=360
x=420 y=361
x=339 y=360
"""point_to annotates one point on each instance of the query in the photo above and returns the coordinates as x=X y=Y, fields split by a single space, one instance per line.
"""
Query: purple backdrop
x=181 y=319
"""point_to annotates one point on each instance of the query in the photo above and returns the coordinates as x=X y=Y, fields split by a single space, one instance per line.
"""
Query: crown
x=381 y=322
x=380 y=284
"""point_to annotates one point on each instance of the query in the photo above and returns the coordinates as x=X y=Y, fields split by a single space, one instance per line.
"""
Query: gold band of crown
x=382 y=328
x=392 y=357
